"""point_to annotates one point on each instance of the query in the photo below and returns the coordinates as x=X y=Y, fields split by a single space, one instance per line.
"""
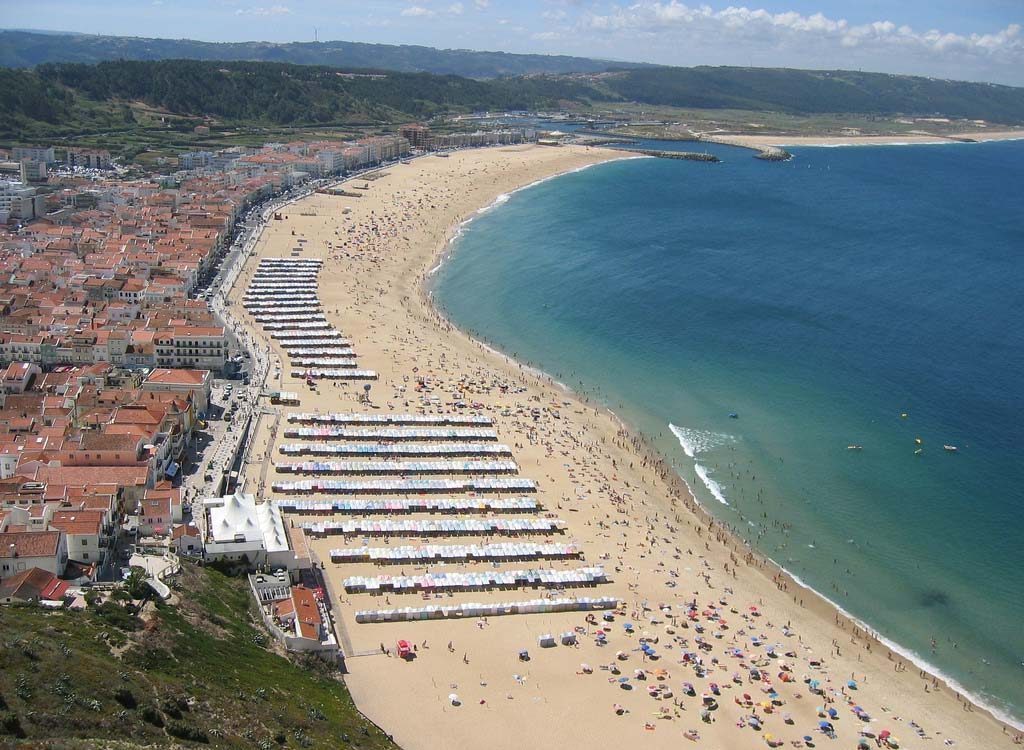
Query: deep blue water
x=819 y=299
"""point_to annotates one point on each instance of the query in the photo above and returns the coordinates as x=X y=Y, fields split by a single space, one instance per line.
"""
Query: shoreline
x=763 y=142
x=444 y=253
x=417 y=306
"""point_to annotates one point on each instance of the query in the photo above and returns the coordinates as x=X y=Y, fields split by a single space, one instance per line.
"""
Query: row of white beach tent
x=279 y=295
x=297 y=337
x=400 y=467
x=304 y=341
x=401 y=449
x=392 y=433
x=282 y=317
x=494 y=552
x=444 y=581
x=323 y=351
x=320 y=362
x=308 y=327
x=306 y=308
x=436 y=527
x=282 y=286
x=282 y=300
x=409 y=505
x=533 y=606
x=318 y=373
x=279 y=277
x=418 y=419
x=406 y=486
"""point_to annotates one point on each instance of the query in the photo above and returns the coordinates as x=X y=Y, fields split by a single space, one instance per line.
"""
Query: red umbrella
x=884 y=734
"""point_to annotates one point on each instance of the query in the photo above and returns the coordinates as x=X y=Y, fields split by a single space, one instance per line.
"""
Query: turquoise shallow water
x=819 y=300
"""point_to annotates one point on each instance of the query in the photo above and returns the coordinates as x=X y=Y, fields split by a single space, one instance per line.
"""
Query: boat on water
x=918 y=441
x=919 y=451
x=950 y=448
x=855 y=447
x=733 y=415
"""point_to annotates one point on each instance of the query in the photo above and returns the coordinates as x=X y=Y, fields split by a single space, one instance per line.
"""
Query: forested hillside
x=25 y=49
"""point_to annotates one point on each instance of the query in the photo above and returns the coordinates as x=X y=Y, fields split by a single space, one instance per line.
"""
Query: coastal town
x=237 y=364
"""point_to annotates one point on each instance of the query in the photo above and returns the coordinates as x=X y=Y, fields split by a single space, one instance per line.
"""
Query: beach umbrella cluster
x=497 y=551
x=441 y=527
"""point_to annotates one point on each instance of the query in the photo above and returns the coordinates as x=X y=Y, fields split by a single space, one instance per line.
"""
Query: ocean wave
x=695 y=442
x=699 y=441
x=713 y=487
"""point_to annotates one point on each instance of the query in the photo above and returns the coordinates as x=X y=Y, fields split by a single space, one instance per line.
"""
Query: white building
x=33 y=153
x=238 y=526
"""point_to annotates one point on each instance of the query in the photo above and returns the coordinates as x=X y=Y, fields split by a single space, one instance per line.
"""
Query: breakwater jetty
x=680 y=155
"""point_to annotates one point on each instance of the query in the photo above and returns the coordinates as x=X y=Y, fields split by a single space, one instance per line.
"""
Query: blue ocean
x=802 y=340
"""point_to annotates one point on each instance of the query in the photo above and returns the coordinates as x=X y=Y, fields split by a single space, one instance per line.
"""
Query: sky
x=978 y=40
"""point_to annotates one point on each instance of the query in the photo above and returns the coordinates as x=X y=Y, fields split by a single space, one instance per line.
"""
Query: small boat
x=733 y=415
x=950 y=448
x=919 y=451
x=903 y=415
x=855 y=447
x=918 y=441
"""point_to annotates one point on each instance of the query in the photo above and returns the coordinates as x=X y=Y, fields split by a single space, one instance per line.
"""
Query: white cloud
x=456 y=9
x=652 y=17
x=481 y=4
x=417 y=11
x=546 y=36
x=273 y=10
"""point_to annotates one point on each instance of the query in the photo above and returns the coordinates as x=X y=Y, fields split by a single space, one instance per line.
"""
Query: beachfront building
x=298 y=616
x=196 y=384
x=417 y=134
x=241 y=530
x=203 y=347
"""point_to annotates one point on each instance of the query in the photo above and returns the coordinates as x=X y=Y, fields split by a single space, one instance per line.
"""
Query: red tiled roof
x=29 y=543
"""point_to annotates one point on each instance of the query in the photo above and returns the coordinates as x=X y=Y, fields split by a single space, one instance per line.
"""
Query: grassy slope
x=199 y=665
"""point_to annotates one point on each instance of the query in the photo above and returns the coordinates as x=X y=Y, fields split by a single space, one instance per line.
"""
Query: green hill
x=71 y=99
x=817 y=91
x=25 y=49
x=196 y=673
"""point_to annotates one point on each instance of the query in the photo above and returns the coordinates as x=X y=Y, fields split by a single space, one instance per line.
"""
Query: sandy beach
x=763 y=141
x=779 y=657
